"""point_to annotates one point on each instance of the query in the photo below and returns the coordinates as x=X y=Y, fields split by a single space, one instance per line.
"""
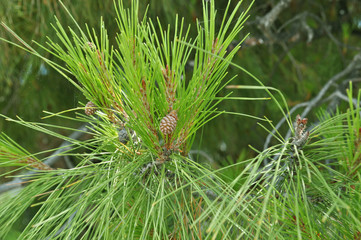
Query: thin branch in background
x=334 y=98
x=267 y=21
x=329 y=33
x=68 y=162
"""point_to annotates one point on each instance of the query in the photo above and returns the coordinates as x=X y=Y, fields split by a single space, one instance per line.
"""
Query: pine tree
x=135 y=178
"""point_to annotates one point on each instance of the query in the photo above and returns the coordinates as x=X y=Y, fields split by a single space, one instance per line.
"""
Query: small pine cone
x=123 y=135
x=92 y=46
x=90 y=108
x=168 y=123
x=301 y=136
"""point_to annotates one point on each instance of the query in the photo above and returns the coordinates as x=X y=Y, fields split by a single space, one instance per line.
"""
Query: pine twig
x=56 y=156
x=354 y=64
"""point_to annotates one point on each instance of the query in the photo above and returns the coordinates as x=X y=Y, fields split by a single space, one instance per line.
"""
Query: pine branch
x=309 y=105
x=56 y=156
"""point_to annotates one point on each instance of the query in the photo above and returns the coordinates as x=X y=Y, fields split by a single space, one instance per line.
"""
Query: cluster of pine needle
x=134 y=177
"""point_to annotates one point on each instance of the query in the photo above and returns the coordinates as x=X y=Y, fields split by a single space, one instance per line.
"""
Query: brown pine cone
x=301 y=136
x=90 y=108
x=168 y=123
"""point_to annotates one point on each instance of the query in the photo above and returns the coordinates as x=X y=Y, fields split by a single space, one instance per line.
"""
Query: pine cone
x=168 y=123
x=124 y=135
x=92 y=46
x=90 y=108
x=301 y=136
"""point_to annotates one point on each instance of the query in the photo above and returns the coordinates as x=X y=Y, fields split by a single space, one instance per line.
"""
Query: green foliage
x=308 y=192
x=134 y=178
x=144 y=80
x=146 y=187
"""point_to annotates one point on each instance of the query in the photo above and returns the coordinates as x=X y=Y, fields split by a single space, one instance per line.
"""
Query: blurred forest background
x=296 y=46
